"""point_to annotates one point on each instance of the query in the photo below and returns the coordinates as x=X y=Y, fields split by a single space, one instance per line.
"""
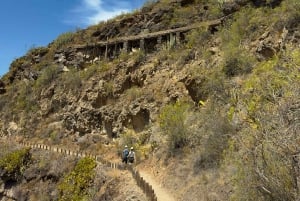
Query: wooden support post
x=106 y=48
x=171 y=41
x=159 y=41
x=95 y=51
x=100 y=52
x=177 y=38
x=115 y=50
x=142 y=44
x=125 y=46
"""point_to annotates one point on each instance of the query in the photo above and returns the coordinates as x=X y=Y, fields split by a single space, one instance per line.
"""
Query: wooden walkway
x=145 y=42
x=150 y=35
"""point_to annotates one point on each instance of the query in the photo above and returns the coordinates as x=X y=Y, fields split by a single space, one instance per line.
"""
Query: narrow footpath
x=161 y=193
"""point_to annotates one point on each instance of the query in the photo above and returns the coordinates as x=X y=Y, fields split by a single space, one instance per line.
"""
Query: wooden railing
x=141 y=182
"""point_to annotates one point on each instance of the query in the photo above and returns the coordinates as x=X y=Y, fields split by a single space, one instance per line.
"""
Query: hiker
x=125 y=155
x=131 y=155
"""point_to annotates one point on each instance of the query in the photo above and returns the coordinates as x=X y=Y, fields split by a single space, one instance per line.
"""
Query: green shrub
x=89 y=72
x=95 y=68
x=183 y=15
x=129 y=138
x=41 y=65
x=25 y=101
x=49 y=74
x=265 y=151
x=15 y=162
x=198 y=38
x=212 y=84
x=71 y=80
x=237 y=65
x=138 y=56
x=22 y=61
x=265 y=85
x=134 y=93
x=172 y=121
x=63 y=40
x=266 y=168
x=54 y=135
x=288 y=10
x=216 y=131
x=74 y=185
x=109 y=88
x=215 y=8
x=124 y=56
x=38 y=51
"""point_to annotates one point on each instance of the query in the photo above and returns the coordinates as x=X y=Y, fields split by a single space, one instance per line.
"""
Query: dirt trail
x=161 y=193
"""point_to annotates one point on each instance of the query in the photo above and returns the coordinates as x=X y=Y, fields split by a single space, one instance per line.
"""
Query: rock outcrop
x=2 y=87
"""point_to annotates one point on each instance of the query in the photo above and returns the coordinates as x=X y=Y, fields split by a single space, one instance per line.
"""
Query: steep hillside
x=207 y=92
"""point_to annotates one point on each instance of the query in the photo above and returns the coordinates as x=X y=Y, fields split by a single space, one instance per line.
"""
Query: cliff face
x=127 y=81
x=99 y=88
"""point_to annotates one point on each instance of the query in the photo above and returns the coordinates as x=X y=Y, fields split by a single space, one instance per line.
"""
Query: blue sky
x=33 y=23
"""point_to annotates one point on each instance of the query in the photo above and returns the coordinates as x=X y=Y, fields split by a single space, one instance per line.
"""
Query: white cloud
x=104 y=15
x=91 y=12
x=93 y=3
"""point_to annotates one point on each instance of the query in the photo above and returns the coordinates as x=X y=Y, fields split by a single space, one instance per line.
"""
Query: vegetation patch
x=75 y=185
x=172 y=121
x=63 y=40
x=14 y=163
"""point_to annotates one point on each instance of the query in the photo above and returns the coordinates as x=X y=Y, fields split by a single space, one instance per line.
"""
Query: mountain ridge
x=212 y=113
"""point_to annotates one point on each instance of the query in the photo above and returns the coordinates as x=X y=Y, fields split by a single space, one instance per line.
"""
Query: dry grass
x=114 y=173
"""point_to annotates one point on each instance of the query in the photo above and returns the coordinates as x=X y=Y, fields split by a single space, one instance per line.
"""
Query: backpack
x=125 y=153
x=131 y=156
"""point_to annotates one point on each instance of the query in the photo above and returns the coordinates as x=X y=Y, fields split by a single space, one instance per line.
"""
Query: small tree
x=172 y=120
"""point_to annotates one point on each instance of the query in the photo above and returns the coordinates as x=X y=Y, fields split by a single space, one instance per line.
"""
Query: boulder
x=270 y=43
x=12 y=128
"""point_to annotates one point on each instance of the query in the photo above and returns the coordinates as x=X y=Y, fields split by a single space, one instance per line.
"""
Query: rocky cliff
x=234 y=64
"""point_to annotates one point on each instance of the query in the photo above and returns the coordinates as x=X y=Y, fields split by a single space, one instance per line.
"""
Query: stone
x=12 y=128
